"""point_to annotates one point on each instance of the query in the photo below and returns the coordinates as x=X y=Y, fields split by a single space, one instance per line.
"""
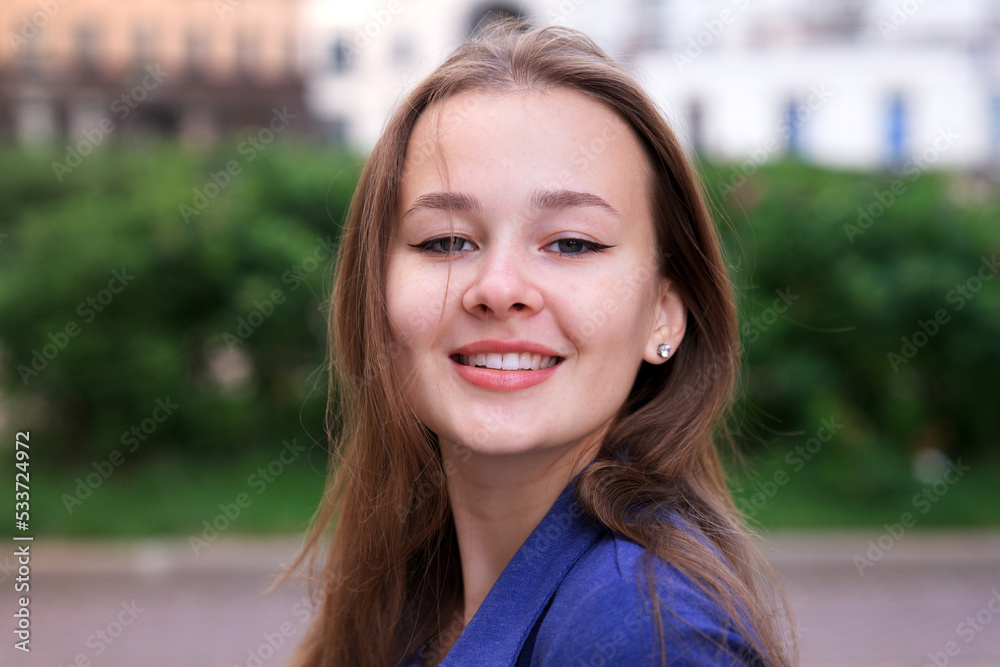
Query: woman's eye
x=576 y=246
x=444 y=245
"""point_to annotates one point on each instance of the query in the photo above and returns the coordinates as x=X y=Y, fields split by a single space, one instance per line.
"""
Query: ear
x=669 y=323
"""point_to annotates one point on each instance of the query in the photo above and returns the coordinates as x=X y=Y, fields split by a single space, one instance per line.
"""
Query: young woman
x=534 y=337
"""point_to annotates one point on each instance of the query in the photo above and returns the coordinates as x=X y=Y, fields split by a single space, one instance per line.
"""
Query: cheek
x=613 y=312
x=615 y=334
x=415 y=300
x=590 y=312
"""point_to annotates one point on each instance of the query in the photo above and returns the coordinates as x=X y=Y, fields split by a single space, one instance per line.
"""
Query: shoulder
x=602 y=614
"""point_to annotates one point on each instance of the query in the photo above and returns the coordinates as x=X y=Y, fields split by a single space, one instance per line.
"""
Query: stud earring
x=663 y=350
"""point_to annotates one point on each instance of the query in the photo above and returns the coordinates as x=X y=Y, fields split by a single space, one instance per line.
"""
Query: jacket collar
x=505 y=620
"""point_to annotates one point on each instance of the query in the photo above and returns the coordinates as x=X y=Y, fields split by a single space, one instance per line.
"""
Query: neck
x=496 y=502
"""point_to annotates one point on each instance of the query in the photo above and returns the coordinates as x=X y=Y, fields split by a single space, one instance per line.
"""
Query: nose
x=503 y=285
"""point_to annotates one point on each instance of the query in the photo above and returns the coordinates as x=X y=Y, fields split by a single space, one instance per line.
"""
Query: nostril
x=501 y=298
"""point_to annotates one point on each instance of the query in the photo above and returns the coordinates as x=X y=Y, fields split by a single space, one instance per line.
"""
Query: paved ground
x=904 y=608
x=155 y=604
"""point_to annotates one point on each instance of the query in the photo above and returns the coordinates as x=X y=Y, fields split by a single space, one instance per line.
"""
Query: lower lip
x=490 y=378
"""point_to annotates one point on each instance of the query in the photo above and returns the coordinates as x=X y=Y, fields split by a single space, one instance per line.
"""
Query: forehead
x=506 y=144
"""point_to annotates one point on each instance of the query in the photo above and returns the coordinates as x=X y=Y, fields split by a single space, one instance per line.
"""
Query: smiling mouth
x=509 y=361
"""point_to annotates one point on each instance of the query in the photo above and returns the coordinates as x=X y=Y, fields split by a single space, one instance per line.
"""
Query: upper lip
x=505 y=346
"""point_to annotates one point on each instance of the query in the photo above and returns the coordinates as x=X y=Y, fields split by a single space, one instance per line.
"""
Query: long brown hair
x=392 y=566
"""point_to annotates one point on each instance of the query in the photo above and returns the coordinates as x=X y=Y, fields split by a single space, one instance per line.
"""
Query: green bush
x=222 y=313
x=873 y=299
x=823 y=307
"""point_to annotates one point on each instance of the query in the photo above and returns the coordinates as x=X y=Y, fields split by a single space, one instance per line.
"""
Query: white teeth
x=509 y=361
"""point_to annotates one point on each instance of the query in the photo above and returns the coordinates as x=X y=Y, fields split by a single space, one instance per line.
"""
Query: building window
x=896 y=131
x=793 y=128
x=143 y=46
x=291 y=56
x=244 y=54
x=484 y=17
x=402 y=51
x=696 y=126
x=651 y=24
x=340 y=55
x=195 y=52
x=87 y=56
x=30 y=54
x=995 y=127
x=335 y=131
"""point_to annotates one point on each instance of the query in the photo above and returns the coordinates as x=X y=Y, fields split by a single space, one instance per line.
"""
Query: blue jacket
x=572 y=596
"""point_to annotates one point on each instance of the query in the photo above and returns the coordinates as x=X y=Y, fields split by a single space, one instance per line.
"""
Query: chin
x=488 y=440
x=517 y=445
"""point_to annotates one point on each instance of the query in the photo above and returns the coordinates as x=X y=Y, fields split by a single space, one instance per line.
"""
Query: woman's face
x=522 y=280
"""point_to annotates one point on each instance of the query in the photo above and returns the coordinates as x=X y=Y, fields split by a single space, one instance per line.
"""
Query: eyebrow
x=557 y=199
x=445 y=201
x=540 y=200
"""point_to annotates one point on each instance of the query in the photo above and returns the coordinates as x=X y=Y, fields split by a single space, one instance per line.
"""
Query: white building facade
x=853 y=84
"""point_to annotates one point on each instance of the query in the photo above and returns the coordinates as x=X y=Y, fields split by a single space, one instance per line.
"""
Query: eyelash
x=428 y=245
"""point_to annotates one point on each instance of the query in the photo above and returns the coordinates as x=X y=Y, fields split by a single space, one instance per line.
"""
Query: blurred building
x=362 y=54
x=854 y=83
x=185 y=69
